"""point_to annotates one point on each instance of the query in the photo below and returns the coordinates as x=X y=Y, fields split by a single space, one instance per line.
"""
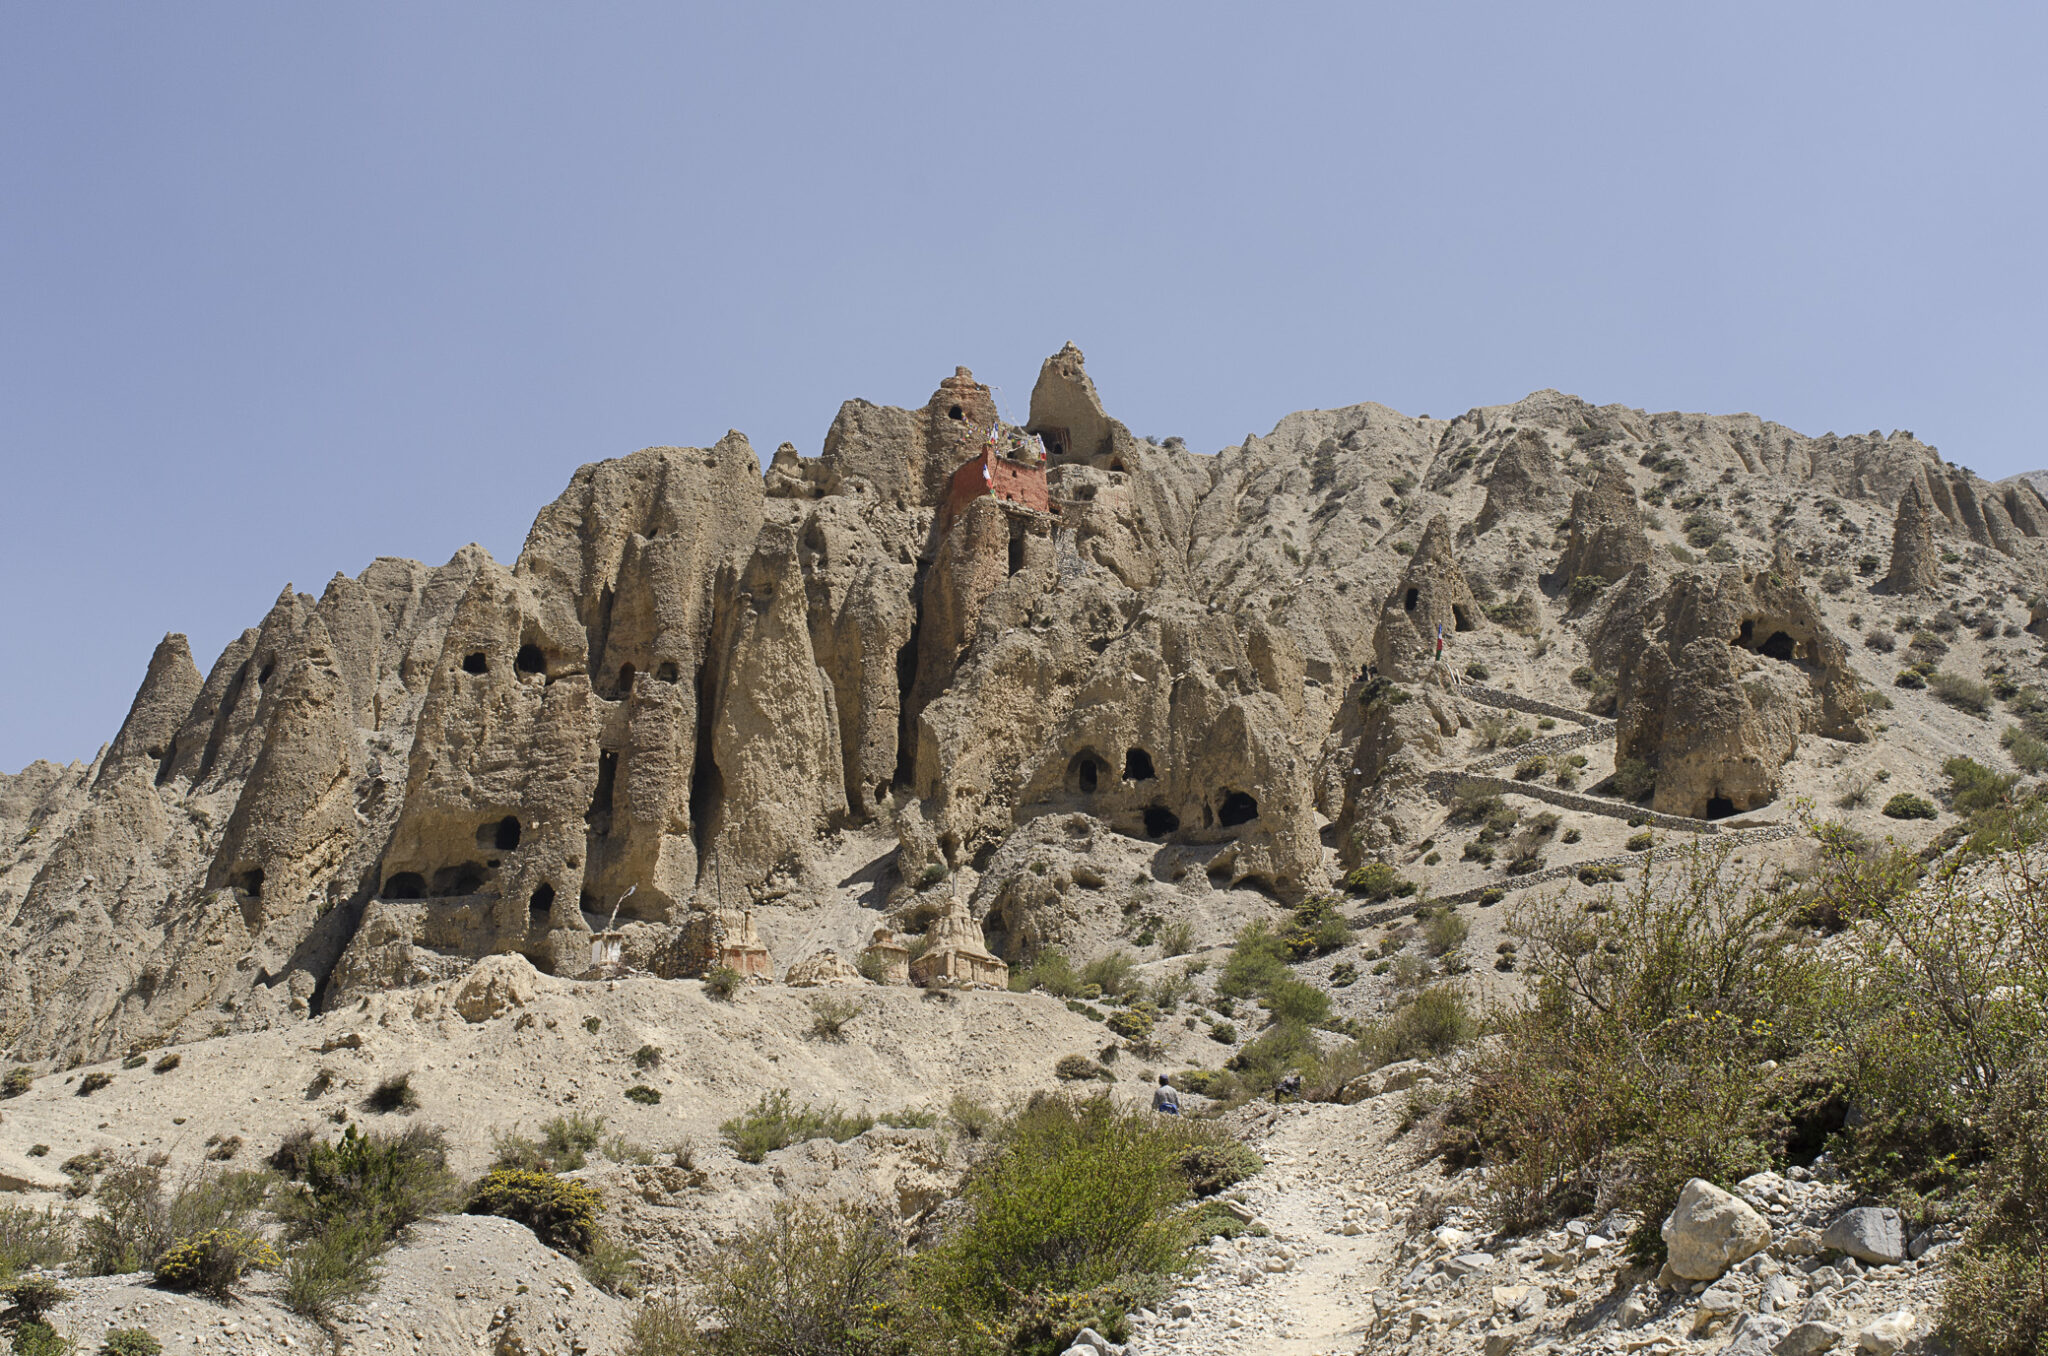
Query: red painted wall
x=1005 y=479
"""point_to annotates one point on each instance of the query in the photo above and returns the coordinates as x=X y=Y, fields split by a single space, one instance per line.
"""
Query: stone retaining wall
x=1445 y=785
x=1766 y=834
x=1515 y=701
x=1550 y=744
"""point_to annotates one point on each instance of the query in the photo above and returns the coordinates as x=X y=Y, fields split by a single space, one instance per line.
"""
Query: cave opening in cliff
x=1719 y=807
x=1085 y=769
x=667 y=673
x=405 y=885
x=474 y=662
x=1779 y=645
x=249 y=880
x=1016 y=554
x=269 y=667
x=1160 y=821
x=1461 y=617
x=530 y=659
x=956 y=413
x=1237 y=808
x=599 y=816
x=452 y=882
x=542 y=899
x=502 y=834
x=626 y=672
x=1138 y=765
x=1414 y=597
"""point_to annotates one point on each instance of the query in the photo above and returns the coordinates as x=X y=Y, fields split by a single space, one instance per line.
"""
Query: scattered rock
x=1869 y=1234
x=1710 y=1231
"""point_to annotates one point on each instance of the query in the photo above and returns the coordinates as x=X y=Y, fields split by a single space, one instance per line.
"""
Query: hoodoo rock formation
x=966 y=647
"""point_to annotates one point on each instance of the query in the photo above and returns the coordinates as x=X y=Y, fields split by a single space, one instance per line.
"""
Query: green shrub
x=1478 y=672
x=1603 y=873
x=33 y=1337
x=775 y=1122
x=647 y=1057
x=1111 y=973
x=1343 y=975
x=1218 y=1165
x=167 y=1063
x=1493 y=894
x=812 y=1278
x=1906 y=805
x=1435 y=1022
x=331 y=1270
x=644 y=1095
x=1076 y=1194
x=130 y=1342
x=1529 y=769
x=561 y=1212
x=1133 y=1023
x=2027 y=753
x=92 y=1083
x=1995 y=1301
x=1964 y=694
x=1633 y=779
x=1908 y=678
x=1177 y=938
x=214 y=1262
x=1378 y=881
x=1049 y=970
x=1257 y=962
x=19 y=1079
x=32 y=1238
x=1635 y=1067
x=1079 y=1069
x=385 y=1183
x=1974 y=788
x=1215 y=1219
x=141 y=1216
x=1444 y=930
x=1291 y=1000
x=35 y=1297
x=1478 y=850
x=722 y=982
x=134 y=1061
x=1223 y=1032
x=1640 y=842
x=611 y=1266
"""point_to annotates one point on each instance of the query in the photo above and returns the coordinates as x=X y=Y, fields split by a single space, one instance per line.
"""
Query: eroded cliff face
x=698 y=677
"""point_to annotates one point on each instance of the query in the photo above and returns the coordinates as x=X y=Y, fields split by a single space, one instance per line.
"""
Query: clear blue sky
x=287 y=287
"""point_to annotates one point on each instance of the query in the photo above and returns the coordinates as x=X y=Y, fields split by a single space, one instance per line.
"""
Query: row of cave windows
x=1237 y=808
x=530 y=659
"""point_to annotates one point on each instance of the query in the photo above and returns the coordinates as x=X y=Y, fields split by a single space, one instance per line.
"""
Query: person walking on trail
x=1165 y=1100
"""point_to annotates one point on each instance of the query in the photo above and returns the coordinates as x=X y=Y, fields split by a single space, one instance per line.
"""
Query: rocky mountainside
x=712 y=712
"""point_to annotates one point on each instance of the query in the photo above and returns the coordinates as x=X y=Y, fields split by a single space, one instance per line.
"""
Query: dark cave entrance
x=1160 y=821
x=1237 y=808
x=1138 y=765
x=1719 y=807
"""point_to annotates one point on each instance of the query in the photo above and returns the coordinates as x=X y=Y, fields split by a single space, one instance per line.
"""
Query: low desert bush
x=1049 y=970
x=829 y=1016
x=1906 y=805
x=19 y=1079
x=1113 y=974
x=723 y=982
x=1079 y=1069
x=561 y=1211
x=1633 y=778
x=130 y=1342
x=1377 y=881
x=354 y=1199
x=1964 y=694
x=1177 y=938
x=1444 y=930
x=32 y=1238
x=213 y=1263
x=142 y=1214
x=813 y=1278
x=93 y=1082
x=775 y=1121
x=644 y=1095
